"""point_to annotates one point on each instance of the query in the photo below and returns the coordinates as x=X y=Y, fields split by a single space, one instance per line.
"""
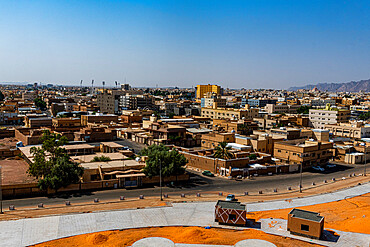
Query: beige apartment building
x=98 y=119
x=289 y=109
x=229 y=113
x=109 y=101
x=355 y=130
x=303 y=152
x=319 y=118
x=212 y=140
x=212 y=100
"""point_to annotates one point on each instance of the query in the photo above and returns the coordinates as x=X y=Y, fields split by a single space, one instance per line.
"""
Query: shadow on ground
x=330 y=236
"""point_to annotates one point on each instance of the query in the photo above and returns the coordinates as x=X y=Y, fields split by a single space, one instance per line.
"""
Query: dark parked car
x=208 y=173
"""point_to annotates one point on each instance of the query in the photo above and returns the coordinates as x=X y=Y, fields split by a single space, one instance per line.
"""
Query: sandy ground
x=153 y=202
x=189 y=235
x=350 y=215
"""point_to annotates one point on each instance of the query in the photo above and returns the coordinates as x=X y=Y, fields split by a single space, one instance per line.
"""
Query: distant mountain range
x=353 y=86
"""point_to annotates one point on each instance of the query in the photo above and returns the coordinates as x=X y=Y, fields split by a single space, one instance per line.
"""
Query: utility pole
x=160 y=177
x=1 y=193
x=300 y=181
x=365 y=160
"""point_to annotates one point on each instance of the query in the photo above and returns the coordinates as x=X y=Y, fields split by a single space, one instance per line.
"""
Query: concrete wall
x=315 y=228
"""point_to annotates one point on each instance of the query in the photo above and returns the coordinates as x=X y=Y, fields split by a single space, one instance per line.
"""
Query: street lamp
x=365 y=160
x=160 y=177
x=300 y=181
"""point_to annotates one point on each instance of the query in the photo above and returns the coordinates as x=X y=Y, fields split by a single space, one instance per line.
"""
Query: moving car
x=208 y=173
x=230 y=198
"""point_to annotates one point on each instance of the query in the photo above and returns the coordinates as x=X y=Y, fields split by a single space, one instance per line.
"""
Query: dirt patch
x=188 y=235
x=350 y=215
x=97 y=238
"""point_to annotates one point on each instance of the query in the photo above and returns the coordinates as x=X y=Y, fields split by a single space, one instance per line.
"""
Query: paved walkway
x=36 y=230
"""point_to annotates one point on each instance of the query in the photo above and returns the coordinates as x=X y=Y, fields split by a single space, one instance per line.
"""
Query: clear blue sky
x=250 y=44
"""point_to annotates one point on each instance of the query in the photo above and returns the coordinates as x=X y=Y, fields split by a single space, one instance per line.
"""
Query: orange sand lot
x=350 y=215
x=189 y=235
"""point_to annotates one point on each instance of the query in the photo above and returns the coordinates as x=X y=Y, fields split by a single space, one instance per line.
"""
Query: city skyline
x=236 y=44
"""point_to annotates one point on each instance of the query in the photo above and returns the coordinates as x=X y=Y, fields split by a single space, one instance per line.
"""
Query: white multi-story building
x=320 y=117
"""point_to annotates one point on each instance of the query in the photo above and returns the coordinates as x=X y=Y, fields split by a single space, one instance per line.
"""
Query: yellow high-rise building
x=203 y=89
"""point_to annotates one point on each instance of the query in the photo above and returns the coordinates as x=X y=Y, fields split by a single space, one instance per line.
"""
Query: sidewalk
x=134 y=203
x=31 y=231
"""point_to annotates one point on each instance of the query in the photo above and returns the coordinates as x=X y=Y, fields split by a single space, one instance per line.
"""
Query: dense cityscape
x=184 y=123
x=172 y=142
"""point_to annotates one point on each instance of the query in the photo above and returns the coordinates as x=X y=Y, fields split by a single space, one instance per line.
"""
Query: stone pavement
x=36 y=230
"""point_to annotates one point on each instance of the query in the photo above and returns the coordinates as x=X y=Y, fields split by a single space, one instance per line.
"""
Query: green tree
x=2 y=97
x=222 y=151
x=52 y=165
x=364 y=116
x=101 y=159
x=40 y=103
x=304 y=109
x=171 y=160
x=253 y=156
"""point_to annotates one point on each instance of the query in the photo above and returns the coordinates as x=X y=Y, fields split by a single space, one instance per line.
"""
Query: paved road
x=198 y=183
x=26 y=232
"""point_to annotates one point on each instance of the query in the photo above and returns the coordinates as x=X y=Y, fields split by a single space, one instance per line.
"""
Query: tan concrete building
x=305 y=223
x=203 y=89
x=98 y=119
x=289 y=109
x=212 y=140
x=229 y=113
x=304 y=152
x=109 y=101
x=241 y=126
x=259 y=142
x=212 y=100
x=66 y=122
x=38 y=122
x=355 y=130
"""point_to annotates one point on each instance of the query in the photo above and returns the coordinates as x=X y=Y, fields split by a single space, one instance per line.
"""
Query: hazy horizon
x=235 y=44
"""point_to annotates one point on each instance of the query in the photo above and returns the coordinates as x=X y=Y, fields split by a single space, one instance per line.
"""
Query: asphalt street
x=198 y=183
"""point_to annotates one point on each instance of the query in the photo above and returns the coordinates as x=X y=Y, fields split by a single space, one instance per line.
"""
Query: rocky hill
x=353 y=86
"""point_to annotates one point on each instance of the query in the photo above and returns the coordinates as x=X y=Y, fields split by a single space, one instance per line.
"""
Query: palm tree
x=223 y=151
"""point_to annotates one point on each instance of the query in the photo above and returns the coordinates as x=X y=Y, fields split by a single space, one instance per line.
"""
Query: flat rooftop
x=112 y=144
x=89 y=157
x=15 y=172
x=307 y=215
x=231 y=205
x=112 y=164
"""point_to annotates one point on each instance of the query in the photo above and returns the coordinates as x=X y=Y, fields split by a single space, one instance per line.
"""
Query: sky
x=235 y=44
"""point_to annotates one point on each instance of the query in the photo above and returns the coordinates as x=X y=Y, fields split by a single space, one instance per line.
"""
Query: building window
x=305 y=227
